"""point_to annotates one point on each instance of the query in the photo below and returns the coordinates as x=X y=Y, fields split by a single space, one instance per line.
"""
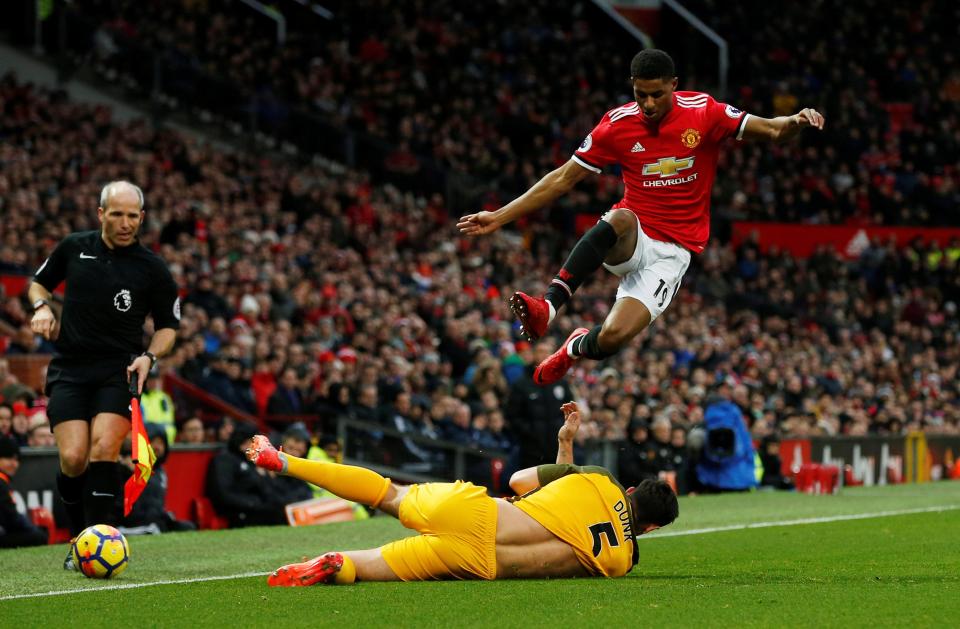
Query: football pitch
x=881 y=556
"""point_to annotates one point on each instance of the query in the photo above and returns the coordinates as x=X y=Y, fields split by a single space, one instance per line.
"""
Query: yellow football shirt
x=587 y=508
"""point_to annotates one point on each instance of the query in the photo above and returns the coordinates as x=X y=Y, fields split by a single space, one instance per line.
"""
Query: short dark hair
x=654 y=503
x=652 y=64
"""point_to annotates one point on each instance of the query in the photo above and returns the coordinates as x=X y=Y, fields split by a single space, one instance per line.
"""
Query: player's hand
x=571 y=421
x=44 y=323
x=479 y=224
x=141 y=367
x=810 y=118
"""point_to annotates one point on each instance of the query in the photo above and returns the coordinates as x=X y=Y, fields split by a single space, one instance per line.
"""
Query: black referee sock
x=71 y=493
x=101 y=493
x=587 y=256
x=588 y=346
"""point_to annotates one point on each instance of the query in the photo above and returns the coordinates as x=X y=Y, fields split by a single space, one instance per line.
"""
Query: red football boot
x=322 y=569
x=558 y=363
x=532 y=312
x=262 y=454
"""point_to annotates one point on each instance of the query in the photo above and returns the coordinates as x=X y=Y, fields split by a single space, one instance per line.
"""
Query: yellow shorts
x=457 y=523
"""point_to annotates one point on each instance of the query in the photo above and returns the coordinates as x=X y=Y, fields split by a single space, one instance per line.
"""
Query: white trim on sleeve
x=743 y=125
x=590 y=167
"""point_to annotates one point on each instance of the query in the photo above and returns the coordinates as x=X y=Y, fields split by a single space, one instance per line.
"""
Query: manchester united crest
x=690 y=138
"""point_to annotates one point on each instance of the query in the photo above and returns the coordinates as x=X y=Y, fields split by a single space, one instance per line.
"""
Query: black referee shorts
x=82 y=388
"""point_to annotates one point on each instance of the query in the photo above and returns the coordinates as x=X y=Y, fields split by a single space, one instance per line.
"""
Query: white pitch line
x=820 y=520
x=130 y=586
x=716 y=529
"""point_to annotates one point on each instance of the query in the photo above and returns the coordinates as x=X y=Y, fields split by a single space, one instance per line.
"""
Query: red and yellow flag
x=143 y=458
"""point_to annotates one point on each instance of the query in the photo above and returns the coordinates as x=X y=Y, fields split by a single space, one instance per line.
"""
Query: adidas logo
x=637 y=148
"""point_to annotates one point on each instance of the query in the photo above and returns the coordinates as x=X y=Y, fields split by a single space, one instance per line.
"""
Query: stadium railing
x=406 y=455
x=424 y=455
x=188 y=399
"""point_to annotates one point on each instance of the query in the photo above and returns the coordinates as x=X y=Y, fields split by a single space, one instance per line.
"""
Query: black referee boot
x=68 y=563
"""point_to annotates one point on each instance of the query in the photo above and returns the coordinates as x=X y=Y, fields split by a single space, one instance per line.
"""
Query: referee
x=112 y=284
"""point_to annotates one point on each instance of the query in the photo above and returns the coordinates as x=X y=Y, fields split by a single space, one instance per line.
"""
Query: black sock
x=588 y=345
x=102 y=493
x=586 y=257
x=71 y=493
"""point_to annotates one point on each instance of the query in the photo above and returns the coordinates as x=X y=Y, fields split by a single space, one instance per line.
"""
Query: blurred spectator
x=15 y=529
x=367 y=406
x=772 y=466
x=633 y=458
x=287 y=399
x=158 y=406
x=239 y=491
x=6 y=420
x=222 y=378
x=225 y=428
x=457 y=428
x=192 y=431
x=20 y=424
x=660 y=447
x=296 y=442
x=26 y=342
x=680 y=460
x=11 y=389
x=39 y=434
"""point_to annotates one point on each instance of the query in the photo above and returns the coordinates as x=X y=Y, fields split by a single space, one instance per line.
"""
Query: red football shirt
x=668 y=169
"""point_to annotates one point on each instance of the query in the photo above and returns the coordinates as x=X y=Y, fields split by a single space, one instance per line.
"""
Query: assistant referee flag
x=143 y=455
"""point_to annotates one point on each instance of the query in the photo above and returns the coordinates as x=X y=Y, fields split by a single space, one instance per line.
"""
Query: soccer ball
x=100 y=552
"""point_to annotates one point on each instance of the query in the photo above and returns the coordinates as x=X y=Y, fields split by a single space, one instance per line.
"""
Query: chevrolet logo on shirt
x=668 y=166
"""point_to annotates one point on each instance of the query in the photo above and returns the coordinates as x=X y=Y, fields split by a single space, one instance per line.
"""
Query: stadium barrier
x=847 y=240
x=875 y=460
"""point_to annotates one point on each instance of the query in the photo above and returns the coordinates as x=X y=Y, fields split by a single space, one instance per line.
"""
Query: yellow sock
x=356 y=484
x=347 y=573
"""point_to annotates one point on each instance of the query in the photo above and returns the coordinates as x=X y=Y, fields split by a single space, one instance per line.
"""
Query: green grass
x=890 y=571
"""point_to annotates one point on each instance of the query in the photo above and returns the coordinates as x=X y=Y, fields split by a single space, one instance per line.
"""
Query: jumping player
x=569 y=521
x=666 y=143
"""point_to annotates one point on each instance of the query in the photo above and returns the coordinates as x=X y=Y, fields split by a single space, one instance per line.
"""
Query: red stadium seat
x=849 y=479
x=807 y=477
x=42 y=517
x=828 y=479
x=205 y=516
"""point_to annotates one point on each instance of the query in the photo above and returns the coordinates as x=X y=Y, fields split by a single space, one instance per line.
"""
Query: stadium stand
x=350 y=283
x=354 y=278
x=503 y=93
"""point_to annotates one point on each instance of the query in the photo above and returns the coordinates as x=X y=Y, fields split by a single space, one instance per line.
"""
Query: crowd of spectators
x=890 y=153
x=505 y=92
x=317 y=292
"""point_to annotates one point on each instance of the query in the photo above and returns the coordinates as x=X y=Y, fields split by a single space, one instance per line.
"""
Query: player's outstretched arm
x=528 y=479
x=552 y=186
x=571 y=424
x=782 y=128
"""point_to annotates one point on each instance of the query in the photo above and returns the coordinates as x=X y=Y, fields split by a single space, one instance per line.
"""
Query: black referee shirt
x=108 y=295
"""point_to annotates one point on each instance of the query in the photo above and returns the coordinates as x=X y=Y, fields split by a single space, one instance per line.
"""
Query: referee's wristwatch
x=40 y=303
x=152 y=357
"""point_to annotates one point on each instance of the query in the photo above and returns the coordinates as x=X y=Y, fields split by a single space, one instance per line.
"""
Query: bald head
x=124 y=191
